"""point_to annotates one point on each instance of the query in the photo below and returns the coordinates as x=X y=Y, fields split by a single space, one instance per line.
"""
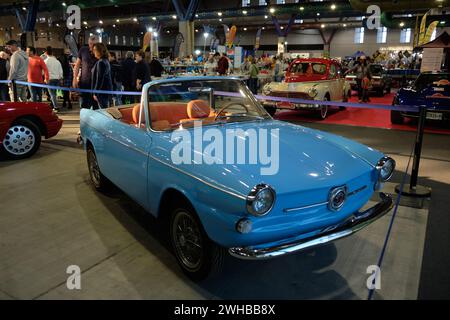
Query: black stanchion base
x=416 y=192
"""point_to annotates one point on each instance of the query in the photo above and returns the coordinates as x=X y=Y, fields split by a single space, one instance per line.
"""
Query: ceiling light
x=318 y=14
x=154 y=18
x=322 y=26
x=245 y=29
x=442 y=22
x=265 y=17
x=220 y=19
x=344 y=25
x=219 y=14
x=196 y=15
x=24 y=9
x=64 y=4
x=264 y=28
x=117 y=20
x=244 y=12
x=206 y=35
x=196 y=30
x=402 y=24
x=281 y=27
x=155 y=34
x=302 y=8
x=168 y=31
x=272 y=10
x=150 y=29
x=85 y=23
x=135 y=19
x=333 y=7
x=174 y=17
x=114 y=25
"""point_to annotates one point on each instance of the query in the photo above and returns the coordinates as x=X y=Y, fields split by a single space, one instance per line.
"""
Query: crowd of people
x=95 y=68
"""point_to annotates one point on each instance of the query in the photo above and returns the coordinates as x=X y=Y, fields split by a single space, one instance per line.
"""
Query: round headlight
x=260 y=200
x=312 y=92
x=386 y=167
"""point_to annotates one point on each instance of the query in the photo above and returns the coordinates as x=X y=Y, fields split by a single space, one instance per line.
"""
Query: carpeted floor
x=373 y=118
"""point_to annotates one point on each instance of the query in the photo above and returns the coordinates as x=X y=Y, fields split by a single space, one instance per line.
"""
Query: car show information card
x=432 y=59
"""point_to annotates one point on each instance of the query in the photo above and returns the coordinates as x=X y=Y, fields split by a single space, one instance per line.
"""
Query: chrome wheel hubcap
x=19 y=140
x=187 y=240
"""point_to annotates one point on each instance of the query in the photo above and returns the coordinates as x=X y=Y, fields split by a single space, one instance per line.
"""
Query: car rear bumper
x=53 y=128
x=355 y=223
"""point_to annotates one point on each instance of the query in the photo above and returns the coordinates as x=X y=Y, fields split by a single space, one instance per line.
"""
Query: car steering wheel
x=228 y=106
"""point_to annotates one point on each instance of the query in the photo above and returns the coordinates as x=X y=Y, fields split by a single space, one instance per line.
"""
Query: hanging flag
x=430 y=30
x=146 y=41
x=422 y=31
x=258 y=38
x=232 y=35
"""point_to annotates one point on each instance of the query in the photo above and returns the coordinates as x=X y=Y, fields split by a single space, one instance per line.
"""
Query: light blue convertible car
x=203 y=156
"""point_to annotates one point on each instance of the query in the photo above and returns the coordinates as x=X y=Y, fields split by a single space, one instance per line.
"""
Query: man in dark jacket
x=117 y=77
x=156 y=68
x=3 y=76
x=142 y=70
x=129 y=75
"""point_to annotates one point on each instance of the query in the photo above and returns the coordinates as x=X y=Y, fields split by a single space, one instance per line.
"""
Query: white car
x=309 y=79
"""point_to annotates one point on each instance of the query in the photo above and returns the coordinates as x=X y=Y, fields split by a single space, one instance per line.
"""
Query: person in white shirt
x=55 y=72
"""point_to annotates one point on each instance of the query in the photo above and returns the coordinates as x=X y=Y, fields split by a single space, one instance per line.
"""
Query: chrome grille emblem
x=337 y=198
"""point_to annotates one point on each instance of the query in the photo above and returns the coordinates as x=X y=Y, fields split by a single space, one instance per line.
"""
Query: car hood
x=308 y=159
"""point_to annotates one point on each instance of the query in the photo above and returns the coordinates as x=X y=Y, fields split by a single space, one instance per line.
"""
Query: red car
x=22 y=124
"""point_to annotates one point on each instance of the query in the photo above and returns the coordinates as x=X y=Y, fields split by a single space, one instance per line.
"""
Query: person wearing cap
x=18 y=69
x=55 y=72
x=37 y=73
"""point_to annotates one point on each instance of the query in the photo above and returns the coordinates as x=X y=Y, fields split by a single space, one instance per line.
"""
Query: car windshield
x=183 y=103
x=308 y=68
x=426 y=79
x=376 y=69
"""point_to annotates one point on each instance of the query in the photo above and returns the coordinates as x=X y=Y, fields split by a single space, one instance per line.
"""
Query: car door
x=334 y=83
x=126 y=152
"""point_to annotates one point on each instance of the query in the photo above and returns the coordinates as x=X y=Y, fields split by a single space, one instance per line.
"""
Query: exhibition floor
x=374 y=118
x=52 y=218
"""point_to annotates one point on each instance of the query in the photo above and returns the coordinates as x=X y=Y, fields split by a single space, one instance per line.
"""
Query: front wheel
x=22 y=140
x=323 y=112
x=197 y=255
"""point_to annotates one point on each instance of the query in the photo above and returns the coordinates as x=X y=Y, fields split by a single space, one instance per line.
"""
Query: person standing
x=142 y=70
x=253 y=80
x=156 y=68
x=360 y=69
x=65 y=61
x=129 y=75
x=116 y=76
x=223 y=65
x=83 y=69
x=18 y=70
x=101 y=75
x=37 y=73
x=4 y=70
x=55 y=72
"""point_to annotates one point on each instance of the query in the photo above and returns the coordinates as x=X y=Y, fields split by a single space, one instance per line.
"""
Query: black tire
x=22 y=140
x=396 y=117
x=271 y=110
x=99 y=181
x=208 y=257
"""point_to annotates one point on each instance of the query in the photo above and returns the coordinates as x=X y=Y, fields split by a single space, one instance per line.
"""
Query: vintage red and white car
x=22 y=124
x=309 y=79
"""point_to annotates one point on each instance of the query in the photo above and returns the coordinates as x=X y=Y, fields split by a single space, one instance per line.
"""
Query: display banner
x=146 y=41
x=258 y=38
x=430 y=30
x=423 y=25
x=231 y=36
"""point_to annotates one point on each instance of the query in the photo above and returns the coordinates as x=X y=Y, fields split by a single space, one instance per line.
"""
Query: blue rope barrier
x=404 y=108
x=391 y=223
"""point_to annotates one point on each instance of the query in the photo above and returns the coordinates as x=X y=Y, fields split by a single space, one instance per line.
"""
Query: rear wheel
x=22 y=140
x=99 y=181
x=396 y=117
x=198 y=256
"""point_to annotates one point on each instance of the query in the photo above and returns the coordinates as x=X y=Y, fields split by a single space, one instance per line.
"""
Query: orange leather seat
x=127 y=115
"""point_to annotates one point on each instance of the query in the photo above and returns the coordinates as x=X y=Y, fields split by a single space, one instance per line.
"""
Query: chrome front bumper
x=355 y=223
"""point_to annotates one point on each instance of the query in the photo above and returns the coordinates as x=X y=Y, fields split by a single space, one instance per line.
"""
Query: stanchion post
x=412 y=189
x=14 y=90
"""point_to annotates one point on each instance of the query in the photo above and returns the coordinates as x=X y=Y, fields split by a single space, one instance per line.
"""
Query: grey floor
x=51 y=218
